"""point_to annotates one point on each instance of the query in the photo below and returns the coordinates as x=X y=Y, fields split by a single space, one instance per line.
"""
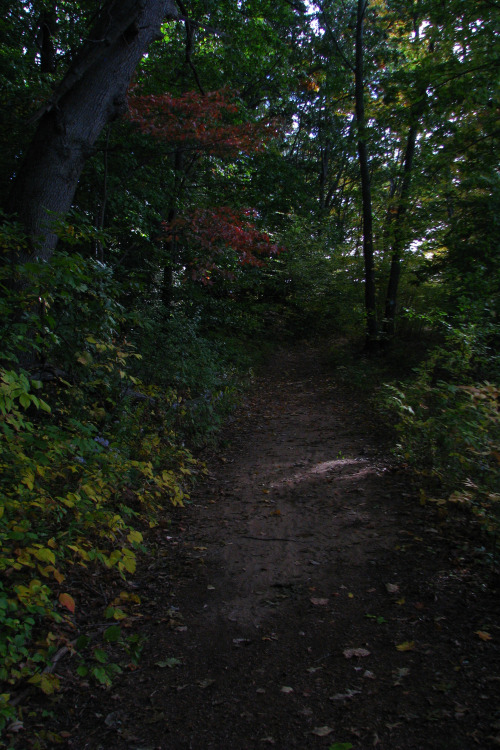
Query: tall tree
x=91 y=93
x=368 y=251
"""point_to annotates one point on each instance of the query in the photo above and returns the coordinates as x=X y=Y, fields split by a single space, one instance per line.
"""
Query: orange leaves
x=483 y=635
x=67 y=601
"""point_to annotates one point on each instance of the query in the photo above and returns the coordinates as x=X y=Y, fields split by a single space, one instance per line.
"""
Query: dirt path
x=305 y=599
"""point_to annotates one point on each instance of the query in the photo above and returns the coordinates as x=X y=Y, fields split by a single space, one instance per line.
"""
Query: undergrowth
x=94 y=447
x=448 y=423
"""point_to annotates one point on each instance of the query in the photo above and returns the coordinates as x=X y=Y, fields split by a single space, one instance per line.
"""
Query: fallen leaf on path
x=205 y=683
x=286 y=689
x=350 y=652
x=369 y=675
x=392 y=588
x=406 y=646
x=345 y=696
x=341 y=746
x=399 y=674
x=170 y=663
x=483 y=635
x=322 y=731
x=318 y=601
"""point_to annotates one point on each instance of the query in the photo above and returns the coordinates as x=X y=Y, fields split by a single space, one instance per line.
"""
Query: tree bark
x=91 y=94
x=368 y=250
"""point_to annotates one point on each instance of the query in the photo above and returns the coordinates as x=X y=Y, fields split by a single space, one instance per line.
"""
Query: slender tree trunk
x=398 y=243
x=91 y=94
x=368 y=250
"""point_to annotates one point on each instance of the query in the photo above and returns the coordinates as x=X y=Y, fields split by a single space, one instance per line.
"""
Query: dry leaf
x=322 y=731
x=319 y=602
x=344 y=696
x=205 y=683
x=483 y=635
x=286 y=689
x=392 y=588
x=406 y=646
x=350 y=652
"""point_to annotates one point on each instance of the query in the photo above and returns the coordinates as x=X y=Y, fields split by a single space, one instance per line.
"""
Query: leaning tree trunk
x=370 y=297
x=91 y=94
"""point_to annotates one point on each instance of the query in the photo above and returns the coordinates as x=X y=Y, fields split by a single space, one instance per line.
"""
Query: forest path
x=304 y=599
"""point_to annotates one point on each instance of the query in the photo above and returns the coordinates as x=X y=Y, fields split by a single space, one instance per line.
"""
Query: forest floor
x=304 y=598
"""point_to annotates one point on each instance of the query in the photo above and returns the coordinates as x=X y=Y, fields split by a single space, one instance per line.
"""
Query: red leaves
x=222 y=237
x=206 y=123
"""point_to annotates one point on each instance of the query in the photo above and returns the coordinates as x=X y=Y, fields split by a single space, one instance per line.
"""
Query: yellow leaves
x=23 y=557
x=168 y=478
x=43 y=554
x=406 y=646
x=127 y=596
x=89 y=490
x=59 y=577
x=116 y=613
x=134 y=537
x=84 y=358
x=29 y=479
x=35 y=592
x=47 y=682
x=79 y=551
x=484 y=636
x=128 y=561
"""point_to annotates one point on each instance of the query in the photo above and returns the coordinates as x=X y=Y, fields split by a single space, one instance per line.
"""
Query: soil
x=304 y=598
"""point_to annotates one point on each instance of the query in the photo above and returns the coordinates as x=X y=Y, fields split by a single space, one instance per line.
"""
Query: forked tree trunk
x=91 y=94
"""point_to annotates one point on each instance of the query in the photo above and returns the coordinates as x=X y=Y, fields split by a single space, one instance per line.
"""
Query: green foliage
x=88 y=456
x=200 y=371
x=449 y=426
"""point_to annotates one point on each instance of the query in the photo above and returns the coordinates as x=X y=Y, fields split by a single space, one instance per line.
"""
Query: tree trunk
x=399 y=235
x=398 y=242
x=370 y=297
x=91 y=94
